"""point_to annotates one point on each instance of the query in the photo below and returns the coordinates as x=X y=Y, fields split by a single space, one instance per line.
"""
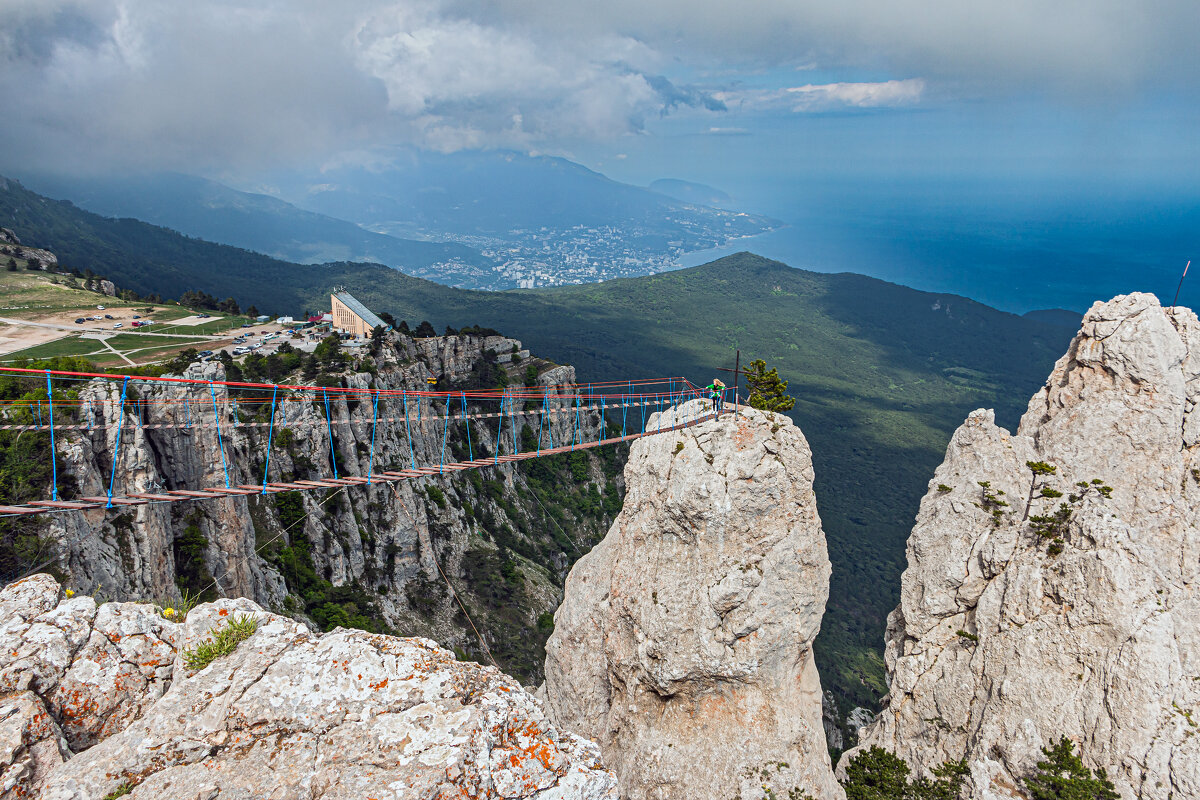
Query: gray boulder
x=99 y=700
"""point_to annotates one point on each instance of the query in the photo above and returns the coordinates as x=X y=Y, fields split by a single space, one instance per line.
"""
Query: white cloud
x=229 y=82
x=885 y=94
x=221 y=82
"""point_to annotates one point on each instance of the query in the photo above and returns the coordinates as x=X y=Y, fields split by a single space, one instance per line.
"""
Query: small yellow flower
x=168 y=612
x=70 y=593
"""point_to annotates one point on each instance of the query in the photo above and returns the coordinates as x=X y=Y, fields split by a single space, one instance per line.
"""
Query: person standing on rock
x=715 y=390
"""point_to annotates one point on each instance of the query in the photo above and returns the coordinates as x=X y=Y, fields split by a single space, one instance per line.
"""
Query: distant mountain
x=483 y=220
x=882 y=373
x=496 y=193
x=690 y=192
x=147 y=258
x=210 y=210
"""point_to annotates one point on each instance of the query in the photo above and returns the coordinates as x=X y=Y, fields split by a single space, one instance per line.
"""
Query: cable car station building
x=352 y=316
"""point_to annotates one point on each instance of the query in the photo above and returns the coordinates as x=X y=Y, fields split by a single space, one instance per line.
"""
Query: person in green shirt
x=715 y=390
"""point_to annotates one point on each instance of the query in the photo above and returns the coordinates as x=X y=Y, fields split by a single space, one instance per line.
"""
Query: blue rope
x=642 y=404
x=329 y=425
x=374 y=422
x=625 y=409
x=600 y=435
x=39 y=407
x=187 y=409
x=117 y=448
x=445 y=435
x=220 y=444
x=512 y=425
x=53 y=455
x=550 y=429
x=467 y=420
x=575 y=433
x=542 y=422
x=270 y=437
x=411 y=455
x=500 y=430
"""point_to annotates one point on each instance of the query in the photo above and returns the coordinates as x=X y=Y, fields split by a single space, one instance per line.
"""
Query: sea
x=1016 y=245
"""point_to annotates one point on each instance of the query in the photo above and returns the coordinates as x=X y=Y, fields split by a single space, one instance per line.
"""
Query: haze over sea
x=1017 y=245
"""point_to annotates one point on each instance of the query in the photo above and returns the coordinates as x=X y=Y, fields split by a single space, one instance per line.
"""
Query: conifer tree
x=767 y=391
x=876 y=774
x=1063 y=776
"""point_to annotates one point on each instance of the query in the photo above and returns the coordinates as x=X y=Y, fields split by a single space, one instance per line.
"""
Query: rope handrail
x=547 y=403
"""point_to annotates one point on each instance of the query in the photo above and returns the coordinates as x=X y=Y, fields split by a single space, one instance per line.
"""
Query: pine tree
x=873 y=774
x=876 y=774
x=767 y=391
x=1063 y=776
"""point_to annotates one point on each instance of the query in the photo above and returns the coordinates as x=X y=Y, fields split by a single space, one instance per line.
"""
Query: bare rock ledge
x=97 y=698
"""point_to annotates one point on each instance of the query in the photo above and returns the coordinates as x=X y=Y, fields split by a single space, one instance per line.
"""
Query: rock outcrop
x=373 y=551
x=97 y=700
x=684 y=641
x=1026 y=614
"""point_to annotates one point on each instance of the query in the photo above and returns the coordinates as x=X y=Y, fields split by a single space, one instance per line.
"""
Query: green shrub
x=224 y=641
x=122 y=790
x=1063 y=776
x=436 y=495
x=876 y=774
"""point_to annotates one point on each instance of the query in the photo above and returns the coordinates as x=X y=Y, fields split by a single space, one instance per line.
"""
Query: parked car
x=202 y=316
x=96 y=317
x=205 y=353
x=117 y=325
x=108 y=316
x=79 y=321
x=137 y=316
x=99 y=308
x=248 y=324
x=238 y=351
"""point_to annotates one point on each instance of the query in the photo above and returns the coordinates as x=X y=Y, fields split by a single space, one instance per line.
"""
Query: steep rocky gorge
x=684 y=641
x=364 y=556
x=1050 y=591
x=1052 y=580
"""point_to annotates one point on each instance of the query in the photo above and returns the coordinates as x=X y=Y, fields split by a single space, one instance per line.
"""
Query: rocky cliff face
x=367 y=556
x=97 y=701
x=1052 y=585
x=10 y=245
x=684 y=641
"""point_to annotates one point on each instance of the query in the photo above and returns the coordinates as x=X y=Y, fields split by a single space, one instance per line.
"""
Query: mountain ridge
x=215 y=212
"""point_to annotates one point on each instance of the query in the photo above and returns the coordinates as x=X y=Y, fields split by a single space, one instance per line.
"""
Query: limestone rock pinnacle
x=1027 y=615
x=684 y=641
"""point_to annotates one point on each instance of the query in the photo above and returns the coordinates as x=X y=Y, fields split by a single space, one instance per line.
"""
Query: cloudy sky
x=698 y=89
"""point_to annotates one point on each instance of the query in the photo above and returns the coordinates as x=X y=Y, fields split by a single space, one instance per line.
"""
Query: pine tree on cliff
x=1063 y=776
x=876 y=774
x=767 y=391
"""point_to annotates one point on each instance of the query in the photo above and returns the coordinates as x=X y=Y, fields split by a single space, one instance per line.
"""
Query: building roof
x=358 y=308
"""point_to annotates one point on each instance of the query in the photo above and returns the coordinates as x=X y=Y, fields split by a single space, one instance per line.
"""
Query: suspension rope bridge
x=79 y=399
